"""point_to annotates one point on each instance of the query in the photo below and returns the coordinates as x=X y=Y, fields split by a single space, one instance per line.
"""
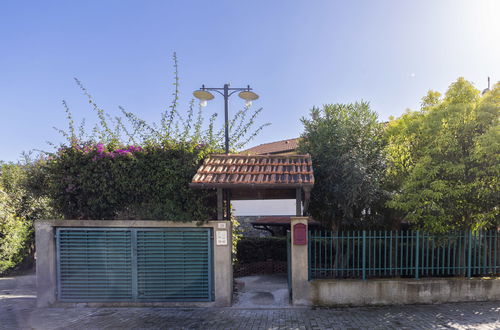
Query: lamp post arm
x=229 y=88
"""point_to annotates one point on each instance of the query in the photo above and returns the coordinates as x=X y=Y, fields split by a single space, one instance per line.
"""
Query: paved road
x=17 y=311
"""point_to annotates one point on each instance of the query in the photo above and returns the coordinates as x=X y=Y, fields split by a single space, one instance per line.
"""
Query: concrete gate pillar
x=299 y=266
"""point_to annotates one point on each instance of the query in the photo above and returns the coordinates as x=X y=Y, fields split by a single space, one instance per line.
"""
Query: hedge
x=253 y=249
x=96 y=181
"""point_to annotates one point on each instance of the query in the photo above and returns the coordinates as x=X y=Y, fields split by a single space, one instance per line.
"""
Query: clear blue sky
x=296 y=54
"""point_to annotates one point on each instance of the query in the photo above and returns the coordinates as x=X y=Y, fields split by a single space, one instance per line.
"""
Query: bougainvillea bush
x=98 y=181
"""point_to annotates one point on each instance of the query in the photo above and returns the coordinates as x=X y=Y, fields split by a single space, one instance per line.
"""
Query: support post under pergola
x=298 y=202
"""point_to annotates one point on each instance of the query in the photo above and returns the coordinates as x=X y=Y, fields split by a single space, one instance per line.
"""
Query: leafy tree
x=18 y=209
x=345 y=143
x=13 y=234
x=444 y=160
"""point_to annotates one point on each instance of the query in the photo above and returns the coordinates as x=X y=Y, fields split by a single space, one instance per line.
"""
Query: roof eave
x=201 y=185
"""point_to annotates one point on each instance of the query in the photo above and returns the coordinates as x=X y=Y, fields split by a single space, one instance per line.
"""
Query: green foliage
x=236 y=236
x=253 y=249
x=99 y=182
x=345 y=143
x=444 y=160
x=18 y=209
x=14 y=234
x=15 y=180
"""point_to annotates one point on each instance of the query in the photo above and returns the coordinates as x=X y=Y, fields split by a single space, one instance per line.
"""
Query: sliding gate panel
x=136 y=264
x=174 y=265
x=94 y=265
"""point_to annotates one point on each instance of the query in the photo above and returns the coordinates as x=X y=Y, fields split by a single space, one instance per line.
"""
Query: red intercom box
x=299 y=234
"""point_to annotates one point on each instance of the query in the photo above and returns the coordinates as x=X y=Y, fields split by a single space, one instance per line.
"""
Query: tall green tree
x=18 y=210
x=444 y=160
x=345 y=143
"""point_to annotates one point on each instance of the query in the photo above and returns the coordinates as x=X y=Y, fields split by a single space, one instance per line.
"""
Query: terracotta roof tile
x=260 y=170
x=278 y=147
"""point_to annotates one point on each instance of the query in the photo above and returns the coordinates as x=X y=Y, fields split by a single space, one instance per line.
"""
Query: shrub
x=95 y=181
x=253 y=249
x=14 y=234
x=18 y=209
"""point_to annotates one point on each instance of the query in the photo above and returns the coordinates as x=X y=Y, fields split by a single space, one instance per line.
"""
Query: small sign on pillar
x=221 y=237
x=299 y=234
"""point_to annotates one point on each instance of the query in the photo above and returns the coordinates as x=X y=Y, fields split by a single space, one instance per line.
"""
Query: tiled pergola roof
x=266 y=171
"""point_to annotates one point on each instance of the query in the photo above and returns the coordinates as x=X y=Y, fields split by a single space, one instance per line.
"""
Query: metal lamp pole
x=204 y=95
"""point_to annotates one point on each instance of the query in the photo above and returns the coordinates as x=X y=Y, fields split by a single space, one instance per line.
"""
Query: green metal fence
x=380 y=254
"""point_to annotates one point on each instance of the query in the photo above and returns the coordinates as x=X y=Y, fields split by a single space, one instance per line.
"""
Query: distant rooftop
x=274 y=148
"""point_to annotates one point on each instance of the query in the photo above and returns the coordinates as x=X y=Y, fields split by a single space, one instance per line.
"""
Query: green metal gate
x=136 y=264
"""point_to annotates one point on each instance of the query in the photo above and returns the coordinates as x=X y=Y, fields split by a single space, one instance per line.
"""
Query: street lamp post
x=204 y=95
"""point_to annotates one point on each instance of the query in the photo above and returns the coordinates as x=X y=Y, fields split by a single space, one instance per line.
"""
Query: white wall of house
x=264 y=207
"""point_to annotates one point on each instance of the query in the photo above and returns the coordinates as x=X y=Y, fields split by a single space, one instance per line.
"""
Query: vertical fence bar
x=411 y=237
x=364 y=255
x=477 y=256
x=369 y=252
x=438 y=259
x=402 y=255
x=390 y=253
x=320 y=241
x=317 y=262
x=358 y=251
x=325 y=258
x=407 y=252
x=461 y=266
x=432 y=256
x=469 y=253
x=337 y=253
x=454 y=250
x=417 y=255
x=496 y=246
x=341 y=256
x=347 y=253
x=396 y=257
x=485 y=262
x=448 y=257
x=427 y=253
x=443 y=264
x=490 y=236
x=331 y=253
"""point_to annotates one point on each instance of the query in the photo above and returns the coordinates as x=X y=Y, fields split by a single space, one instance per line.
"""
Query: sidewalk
x=17 y=311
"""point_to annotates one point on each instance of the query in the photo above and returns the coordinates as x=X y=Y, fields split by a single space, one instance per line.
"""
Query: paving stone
x=18 y=311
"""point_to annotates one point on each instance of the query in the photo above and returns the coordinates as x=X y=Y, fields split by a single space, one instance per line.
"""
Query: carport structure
x=255 y=177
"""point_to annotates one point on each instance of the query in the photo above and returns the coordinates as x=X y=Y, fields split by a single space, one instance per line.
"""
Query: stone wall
x=402 y=291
